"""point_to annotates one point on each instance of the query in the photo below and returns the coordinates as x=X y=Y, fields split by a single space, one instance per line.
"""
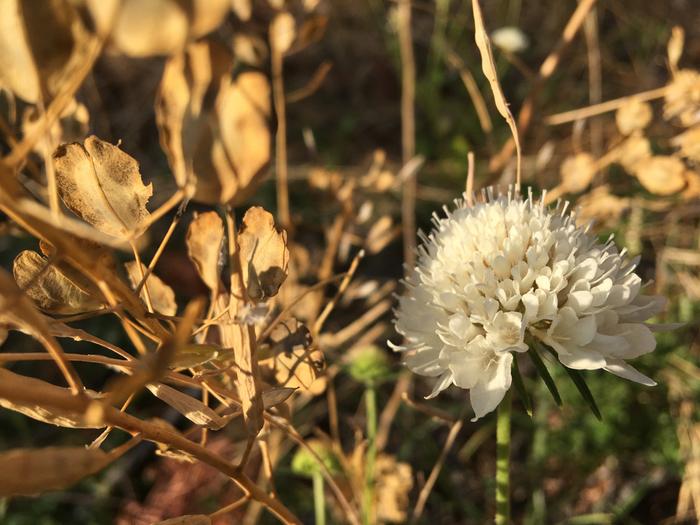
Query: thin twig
x=435 y=472
x=408 y=128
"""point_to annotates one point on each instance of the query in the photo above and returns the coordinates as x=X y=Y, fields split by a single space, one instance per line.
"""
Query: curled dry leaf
x=662 y=175
x=220 y=143
x=634 y=115
x=32 y=471
x=192 y=519
x=193 y=409
x=40 y=44
x=102 y=185
x=161 y=295
x=263 y=253
x=60 y=418
x=205 y=242
x=51 y=289
x=282 y=32
x=577 y=172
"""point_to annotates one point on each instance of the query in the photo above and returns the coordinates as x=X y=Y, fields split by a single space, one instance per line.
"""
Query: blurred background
x=631 y=165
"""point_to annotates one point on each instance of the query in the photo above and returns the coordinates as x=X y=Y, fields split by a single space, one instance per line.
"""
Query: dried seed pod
x=577 y=172
x=634 y=115
x=662 y=175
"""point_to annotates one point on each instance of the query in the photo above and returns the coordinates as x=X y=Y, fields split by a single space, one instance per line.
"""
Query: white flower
x=491 y=276
x=510 y=39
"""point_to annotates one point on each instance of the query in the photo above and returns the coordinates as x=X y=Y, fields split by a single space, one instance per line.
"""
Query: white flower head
x=507 y=270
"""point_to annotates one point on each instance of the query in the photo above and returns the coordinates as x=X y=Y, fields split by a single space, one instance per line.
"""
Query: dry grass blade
x=488 y=66
x=193 y=409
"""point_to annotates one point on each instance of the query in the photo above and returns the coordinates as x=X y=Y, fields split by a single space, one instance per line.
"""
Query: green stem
x=319 y=499
x=371 y=414
x=503 y=461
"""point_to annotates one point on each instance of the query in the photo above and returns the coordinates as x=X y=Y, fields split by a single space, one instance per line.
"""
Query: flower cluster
x=494 y=276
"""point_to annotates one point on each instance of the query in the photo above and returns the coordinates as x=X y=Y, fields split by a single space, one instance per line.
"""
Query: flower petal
x=486 y=395
x=626 y=371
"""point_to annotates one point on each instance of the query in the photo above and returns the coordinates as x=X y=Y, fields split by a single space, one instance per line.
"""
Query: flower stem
x=319 y=499
x=371 y=414
x=503 y=461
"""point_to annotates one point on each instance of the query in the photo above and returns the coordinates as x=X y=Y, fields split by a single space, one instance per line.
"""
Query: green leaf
x=520 y=387
x=544 y=374
x=583 y=389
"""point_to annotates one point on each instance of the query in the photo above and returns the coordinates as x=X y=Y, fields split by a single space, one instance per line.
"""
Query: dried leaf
x=206 y=15
x=40 y=44
x=263 y=253
x=205 y=241
x=217 y=145
x=193 y=409
x=274 y=396
x=634 y=115
x=488 y=66
x=155 y=27
x=60 y=418
x=102 y=184
x=662 y=175
x=72 y=125
x=577 y=172
x=192 y=519
x=52 y=290
x=242 y=8
x=243 y=109
x=282 y=32
x=32 y=471
x=161 y=295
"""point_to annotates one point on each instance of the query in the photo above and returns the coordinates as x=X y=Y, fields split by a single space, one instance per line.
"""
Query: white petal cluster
x=496 y=274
